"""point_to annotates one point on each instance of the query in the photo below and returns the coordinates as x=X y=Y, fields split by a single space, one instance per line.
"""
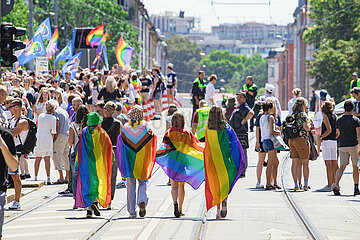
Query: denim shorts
x=268 y=145
x=157 y=95
x=17 y=170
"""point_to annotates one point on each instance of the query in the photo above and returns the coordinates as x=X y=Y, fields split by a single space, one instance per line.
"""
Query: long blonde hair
x=110 y=84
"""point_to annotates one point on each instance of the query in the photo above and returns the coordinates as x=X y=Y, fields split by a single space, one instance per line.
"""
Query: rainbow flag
x=93 y=164
x=136 y=86
x=182 y=157
x=128 y=105
x=26 y=40
x=53 y=45
x=136 y=151
x=99 y=52
x=95 y=36
x=57 y=76
x=224 y=163
x=123 y=53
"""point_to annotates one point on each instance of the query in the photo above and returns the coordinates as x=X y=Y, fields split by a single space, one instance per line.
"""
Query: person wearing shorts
x=348 y=130
x=299 y=146
x=156 y=93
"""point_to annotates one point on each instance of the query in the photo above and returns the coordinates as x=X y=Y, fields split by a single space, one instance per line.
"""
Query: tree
x=185 y=55
x=336 y=36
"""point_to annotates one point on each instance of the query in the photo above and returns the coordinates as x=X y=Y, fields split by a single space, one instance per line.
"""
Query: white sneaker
x=325 y=189
x=15 y=206
x=258 y=185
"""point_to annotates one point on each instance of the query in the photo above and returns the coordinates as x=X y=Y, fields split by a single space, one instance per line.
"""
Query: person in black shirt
x=171 y=83
x=251 y=91
x=198 y=90
x=145 y=86
x=113 y=129
x=156 y=93
x=8 y=159
x=110 y=92
x=87 y=90
x=348 y=130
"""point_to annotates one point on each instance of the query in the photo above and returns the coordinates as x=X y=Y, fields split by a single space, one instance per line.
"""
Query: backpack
x=290 y=130
x=30 y=141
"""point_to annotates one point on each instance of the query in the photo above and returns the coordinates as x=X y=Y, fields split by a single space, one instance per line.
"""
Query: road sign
x=6 y=7
x=42 y=65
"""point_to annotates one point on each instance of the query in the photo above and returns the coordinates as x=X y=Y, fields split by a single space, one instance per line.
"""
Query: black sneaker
x=27 y=175
x=142 y=211
x=67 y=191
x=95 y=208
x=336 y=191
x=242 y=175
x=176 y=210
x=89 y=214
x=265 y=163
x=223 y=211
x=356 y=192
x=22 y=176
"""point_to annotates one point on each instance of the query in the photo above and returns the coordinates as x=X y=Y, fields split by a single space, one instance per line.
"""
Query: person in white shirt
x=297 y=93
x=269 y=88
x=210 y=90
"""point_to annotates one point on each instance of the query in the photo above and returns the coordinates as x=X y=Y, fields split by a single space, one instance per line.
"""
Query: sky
x=280 y=11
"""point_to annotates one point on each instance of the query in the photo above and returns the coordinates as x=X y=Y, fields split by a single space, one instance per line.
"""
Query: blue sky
x=280 y=10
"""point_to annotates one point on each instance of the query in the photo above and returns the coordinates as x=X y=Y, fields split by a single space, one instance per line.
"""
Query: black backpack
x=30 y=141
x=290 y=130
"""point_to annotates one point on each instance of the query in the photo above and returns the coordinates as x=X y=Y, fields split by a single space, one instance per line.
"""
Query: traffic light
x=8 y=44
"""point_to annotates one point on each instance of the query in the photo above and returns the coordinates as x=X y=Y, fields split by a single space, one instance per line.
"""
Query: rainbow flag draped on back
x=95 y=36
x=94 y=164
x=136 y=150
x=182 y=157
x=224 y=163
x=123 y=53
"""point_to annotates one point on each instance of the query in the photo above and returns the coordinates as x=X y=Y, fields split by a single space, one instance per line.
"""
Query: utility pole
x=31 y=30
x=56 y=24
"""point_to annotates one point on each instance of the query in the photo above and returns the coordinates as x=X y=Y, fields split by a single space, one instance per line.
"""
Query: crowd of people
x=93 y=125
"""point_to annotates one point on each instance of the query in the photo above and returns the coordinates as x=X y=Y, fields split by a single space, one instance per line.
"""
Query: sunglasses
x=10 y=107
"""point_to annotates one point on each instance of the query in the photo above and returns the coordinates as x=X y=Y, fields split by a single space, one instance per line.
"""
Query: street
x=252 y=213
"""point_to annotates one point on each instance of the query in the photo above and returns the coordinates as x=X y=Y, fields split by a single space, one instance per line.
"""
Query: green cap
x=93 y=119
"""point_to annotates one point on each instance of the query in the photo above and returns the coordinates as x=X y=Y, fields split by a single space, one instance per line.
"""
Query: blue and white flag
x=44 y=29
x=106 y=58
x=66 y=53
x=34 y=48
x=72 y=65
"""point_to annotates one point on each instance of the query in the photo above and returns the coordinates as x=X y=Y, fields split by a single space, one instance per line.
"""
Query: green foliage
x=336 y=35
x=234 y=68
x=185 y=55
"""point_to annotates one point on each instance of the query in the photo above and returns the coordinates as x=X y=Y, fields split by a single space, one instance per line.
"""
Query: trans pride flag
x=182 y=157
x=123 y=53
x=95 y=36
x=93 y=164
x=136 y=151
x=224 y=163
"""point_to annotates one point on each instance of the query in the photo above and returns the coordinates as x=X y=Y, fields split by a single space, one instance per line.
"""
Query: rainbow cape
x=182 y=157
x=123 y=53
x=93 y=163
x=224 y=162
x=95 y=36
x=136 y=150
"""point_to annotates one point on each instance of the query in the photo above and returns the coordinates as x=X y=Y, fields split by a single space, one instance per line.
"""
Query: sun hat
x=93 y=119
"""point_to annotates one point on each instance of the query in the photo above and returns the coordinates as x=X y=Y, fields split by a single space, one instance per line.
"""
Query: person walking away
x=45 y=139
x=355 y=93
x=198 y=90
x=61 y=145
x=238 y=122
x=75 y=130
x=113 y=129
x=354 y=83
x=19 y=128
x=8 y=162
x=300 y=146
x=171 y=110
x=313 y=101
x=156 y=93
x=221 y=159
x=145 y=87
x=329 y=144
x=136 y=146
x=210 y=90
x=182 y=158
x=251 y=90
x=348 y=130
x=296 y=93
x=171 y=84
x=93 y=162
x=318 y=116
x=199 y=121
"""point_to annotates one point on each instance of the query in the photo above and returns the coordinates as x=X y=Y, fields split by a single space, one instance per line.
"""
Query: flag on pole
x=16 y=66
x=66 y=53
x=72 y=65
x=106 y=58
x=53 y=45
x=34 y=48
x=44 y=29
x=95 y=36
x=57 y=76
x=99 y=52
x=123 y=53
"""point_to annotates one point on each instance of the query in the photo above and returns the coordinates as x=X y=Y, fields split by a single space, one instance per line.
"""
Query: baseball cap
x=241 y=93
x=354 y=74
x=269 y=87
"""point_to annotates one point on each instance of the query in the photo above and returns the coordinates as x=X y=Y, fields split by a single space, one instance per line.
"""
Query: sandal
x=269 y=187
x=277 y=187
